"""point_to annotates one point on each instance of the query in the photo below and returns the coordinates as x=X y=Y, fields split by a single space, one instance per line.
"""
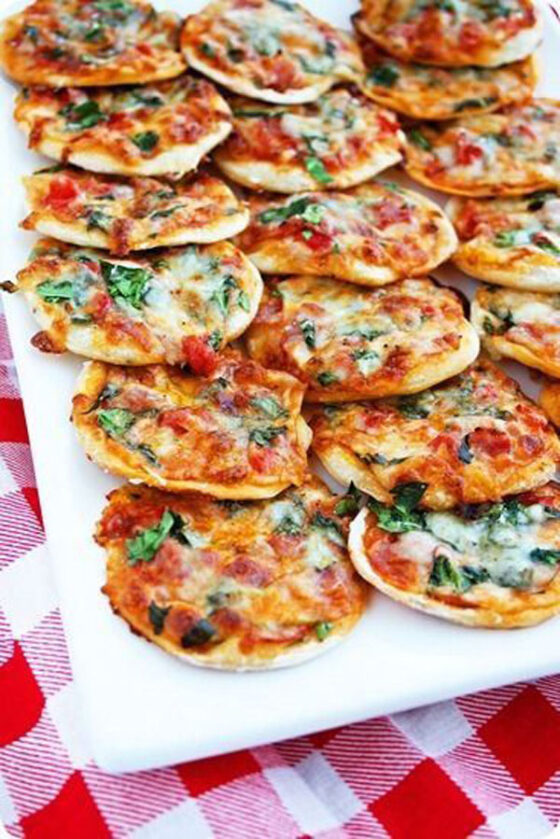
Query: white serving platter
x=142 y=707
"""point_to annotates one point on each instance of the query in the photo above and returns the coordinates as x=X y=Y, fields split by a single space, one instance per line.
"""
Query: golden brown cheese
x=471 y=440
x=273 y=50
x=510 y=241
x=123 y=215
x=431 y=92
x=492 y=565
x=90 y=42
x=338 y=141
x=234 y=433
x=509 y=153
x=523 y=325
x=178 y=306
x=453 y=33
x=232 y=585
x=157 y=129
x=372 y=235
x=347 y=342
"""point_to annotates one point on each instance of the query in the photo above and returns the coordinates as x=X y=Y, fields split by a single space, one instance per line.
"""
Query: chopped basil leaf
x=145 y=546
x=157 y=615
x=326 y=523
x=384 y=75
x=322 y=629
x=215 y=339
x=83 y=116
x=317 y=170
x=257 y=113
x=221 y=296
x=124 y=283
x=401 y=517
x=538 y=199
x=95 y=33
x=108 y=392
x=269 y=406
x=115 y=421
x=98 y=220
x=349 y=503
x=243 y=301
x=546 y=245
x=416 y=137
x=264 y=437
x=308 y=331
x=481 y=102
x=304 y=207
x=546 y=556
x=504 y=239
x=146 y=140
x=327 y=378
x=199 y=634
x=444 y=573
x=289 y=526
x=56 y=292
x=411 y=408
x=208 y=50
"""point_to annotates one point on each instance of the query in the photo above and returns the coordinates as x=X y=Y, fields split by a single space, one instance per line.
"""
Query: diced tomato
x=466 y=152
x=62 y=191
x=317 y=241
x=386 y=125
x=490 y=441
x=470 y=35
x=279 y=73
x=200 y=357
x=100 y=305
x=262 y=459
x=179 y=420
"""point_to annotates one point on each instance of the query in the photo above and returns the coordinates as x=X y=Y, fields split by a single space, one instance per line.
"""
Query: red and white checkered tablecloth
x=485 y=766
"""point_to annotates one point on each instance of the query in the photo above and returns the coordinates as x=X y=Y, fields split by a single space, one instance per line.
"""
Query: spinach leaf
x=124 y=283
x=116 y=421
x=264 y=437
x=305 y=207
x=327 y=378
x=308 y=331
x=505 y=239
x=145 y=546
x=401 y=517
x=157 y=615
x=326 y=523
x=215 y=339
x=56 y=292
x=108 y=392
x=98 y=220
x=416 y=137
x=243 y=301
x=221 y=296
x=546 y=245
x=146 y=141
x=444 y=573
x=349 y=503
x=289 y=525
x=481 y=102
x=538 y=199
x=411 y=408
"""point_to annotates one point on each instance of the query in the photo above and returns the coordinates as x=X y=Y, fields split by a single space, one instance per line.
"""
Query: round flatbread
x=273 y=50
x=160 y=129
x=123 y=215
x=338 y=141
x=480 y=32
x=237 y=586
x=429 y=92
x=372 y=235
x=510 y=241
x=347 y=343
x=90 y=42
x=178 y=306
x=510 y=153
x=492 y=565
x=471 y=440
x=523 y=325
x=235 y=433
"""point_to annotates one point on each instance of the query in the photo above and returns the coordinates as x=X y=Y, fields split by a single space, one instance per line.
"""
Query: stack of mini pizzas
x=224 y=549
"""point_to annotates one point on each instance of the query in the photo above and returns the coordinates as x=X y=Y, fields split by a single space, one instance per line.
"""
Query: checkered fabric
x=484 y=766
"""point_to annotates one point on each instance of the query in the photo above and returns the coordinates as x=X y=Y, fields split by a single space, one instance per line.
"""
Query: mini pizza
x=161 y=129
x=338 y=141
x=430 y=92
x=123 y=215
x=510 y=153
x=178 y=306
x=488 y=565
x=232 y=585
x=484 y=33
x=90 y=42
x=523 y=325
x=272 y=50
x=373 y=235
x=510 y=241
x=549 y=400
x=235 y=432
x=471 y=440
x=349 y=343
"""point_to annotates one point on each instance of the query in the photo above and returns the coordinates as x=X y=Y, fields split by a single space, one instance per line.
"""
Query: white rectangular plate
x=143 y=708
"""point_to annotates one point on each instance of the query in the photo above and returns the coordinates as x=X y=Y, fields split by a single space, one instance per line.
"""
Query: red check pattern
x=483 y=766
